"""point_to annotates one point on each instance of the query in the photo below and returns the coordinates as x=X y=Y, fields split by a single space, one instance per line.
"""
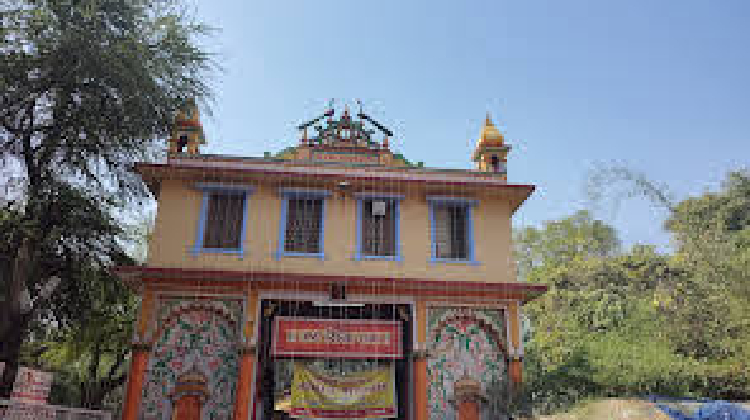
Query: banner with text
x=344 y=338
x=358 y=395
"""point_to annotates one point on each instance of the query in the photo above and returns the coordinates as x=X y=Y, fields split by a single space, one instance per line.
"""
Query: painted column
x=419 y=363
x=244 y=383
x=146 y=314
x=468 y=394
x=515 y=364
x=139 y=359
x=247 y=360
x=516 y=372
x=138 y=365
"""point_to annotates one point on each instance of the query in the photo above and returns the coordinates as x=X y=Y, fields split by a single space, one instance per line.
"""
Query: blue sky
x=660 y=86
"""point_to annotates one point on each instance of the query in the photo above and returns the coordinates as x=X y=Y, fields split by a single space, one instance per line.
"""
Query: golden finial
x=490 y=151
x=490 y=133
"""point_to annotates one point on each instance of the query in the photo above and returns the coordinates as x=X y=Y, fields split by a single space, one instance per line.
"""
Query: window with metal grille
x=304 y=221
x=450 y=232
x=378 y=229
x=224 y=215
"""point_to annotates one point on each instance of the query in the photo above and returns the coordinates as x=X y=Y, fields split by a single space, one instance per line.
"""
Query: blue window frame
x=222 y=224
x=451 y=229
x=302 y=223
x=378 y=236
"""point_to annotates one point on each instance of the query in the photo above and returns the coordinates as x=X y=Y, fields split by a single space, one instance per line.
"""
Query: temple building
x=332 y=279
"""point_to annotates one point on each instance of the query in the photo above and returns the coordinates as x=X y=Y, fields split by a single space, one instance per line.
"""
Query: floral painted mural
x=469 y=342
x=194 y=334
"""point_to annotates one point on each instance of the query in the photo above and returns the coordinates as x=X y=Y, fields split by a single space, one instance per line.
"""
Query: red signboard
x=343 y=338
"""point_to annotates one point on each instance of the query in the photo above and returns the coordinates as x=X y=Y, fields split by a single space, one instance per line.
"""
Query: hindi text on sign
x=345 y=338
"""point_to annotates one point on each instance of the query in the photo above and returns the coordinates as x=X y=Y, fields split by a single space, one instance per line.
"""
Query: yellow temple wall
x=178 y=215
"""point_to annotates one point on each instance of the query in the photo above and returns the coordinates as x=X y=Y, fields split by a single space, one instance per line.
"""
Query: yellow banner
x=358 y=395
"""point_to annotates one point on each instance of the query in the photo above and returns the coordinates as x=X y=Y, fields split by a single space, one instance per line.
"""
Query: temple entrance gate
x=275 y=374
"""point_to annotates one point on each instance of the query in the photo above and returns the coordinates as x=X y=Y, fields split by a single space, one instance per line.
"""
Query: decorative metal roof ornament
x=345 y=131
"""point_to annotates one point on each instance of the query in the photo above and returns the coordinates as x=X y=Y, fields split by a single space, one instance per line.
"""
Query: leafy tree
x=557 y=242
x=606 y=313
x=89 y=350
x=89 y=354
x=78 y=235
x=561 y=254
x=86 y=86
x=712 y=234
x=640 y=322
x=712 y=241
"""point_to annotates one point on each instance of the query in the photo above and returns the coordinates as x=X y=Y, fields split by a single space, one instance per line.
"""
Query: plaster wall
x=178 y=215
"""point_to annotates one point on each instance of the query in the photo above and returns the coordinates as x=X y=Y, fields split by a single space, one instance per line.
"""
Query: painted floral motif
x=193 y=334
x=464 y=342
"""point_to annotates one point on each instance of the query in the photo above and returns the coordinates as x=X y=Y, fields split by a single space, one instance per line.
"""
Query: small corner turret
x=187 y=132
x=490 y=153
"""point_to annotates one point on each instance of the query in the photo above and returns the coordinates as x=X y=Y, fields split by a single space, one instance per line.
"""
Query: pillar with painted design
x=138 y=364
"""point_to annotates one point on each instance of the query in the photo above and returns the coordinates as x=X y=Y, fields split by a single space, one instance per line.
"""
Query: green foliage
x=89 y=354
x=712 y=235
x=550 y=387
x=86 y=89
x=567 y=240
x=639 y=322
x=94 y=352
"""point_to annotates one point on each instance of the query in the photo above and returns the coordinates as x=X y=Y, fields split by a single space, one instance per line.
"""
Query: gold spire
x=490 y=136
x=491 y=150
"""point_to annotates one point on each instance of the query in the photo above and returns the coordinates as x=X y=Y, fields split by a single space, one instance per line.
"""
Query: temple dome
x=490 y=136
